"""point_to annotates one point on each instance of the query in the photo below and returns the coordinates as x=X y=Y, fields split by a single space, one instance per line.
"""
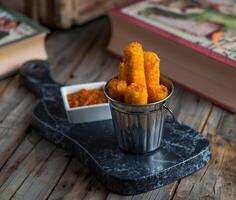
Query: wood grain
x=3 y=85
x=15 y=110
x=29 y=143
x=41 y=181
x=218 y=179
x=77 y=43
x=27 y=168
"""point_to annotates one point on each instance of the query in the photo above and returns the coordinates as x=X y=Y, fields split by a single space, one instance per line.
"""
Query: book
x=21 y=39
x=196 y=41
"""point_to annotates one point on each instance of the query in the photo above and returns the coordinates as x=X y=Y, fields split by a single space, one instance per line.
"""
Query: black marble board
x=183 y=151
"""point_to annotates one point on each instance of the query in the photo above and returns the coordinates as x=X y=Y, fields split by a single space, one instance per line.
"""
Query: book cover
x=15 y=27
x=206 y=26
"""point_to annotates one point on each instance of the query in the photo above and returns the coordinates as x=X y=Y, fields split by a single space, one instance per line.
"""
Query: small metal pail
x=139 y=128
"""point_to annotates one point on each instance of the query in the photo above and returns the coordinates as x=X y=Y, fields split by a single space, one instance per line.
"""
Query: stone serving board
x=183 y=151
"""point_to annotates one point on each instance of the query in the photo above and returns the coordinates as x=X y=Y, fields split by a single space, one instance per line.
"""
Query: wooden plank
x=163 y=193
x=3 y=84
x=30 y=165
x=21 y=153
x=67 y=181
x=19 y=116
x=11 y=97
x=15 y=109
x=227 y=127
x=213 y=121
x=113 y=196
x=218 y=179
x=42 y=180
x=77 y=44
x=99 y=68
x=77 y=183
x=80 y=186
x=190 y=108
x=96 y=191
x=13 y=127
x=94 y=67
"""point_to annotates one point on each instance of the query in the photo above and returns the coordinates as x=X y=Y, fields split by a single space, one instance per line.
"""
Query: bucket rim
x=162 y=77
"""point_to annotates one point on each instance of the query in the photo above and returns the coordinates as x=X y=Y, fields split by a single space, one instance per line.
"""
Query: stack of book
x=21 y=40
x=196 y=41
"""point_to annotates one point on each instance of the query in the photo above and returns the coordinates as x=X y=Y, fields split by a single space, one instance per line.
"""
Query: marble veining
x=183 y=150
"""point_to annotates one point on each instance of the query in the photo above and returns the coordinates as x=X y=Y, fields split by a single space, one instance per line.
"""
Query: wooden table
x=32 y=168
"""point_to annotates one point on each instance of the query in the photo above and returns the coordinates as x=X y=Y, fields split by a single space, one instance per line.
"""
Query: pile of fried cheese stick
x=138 y=81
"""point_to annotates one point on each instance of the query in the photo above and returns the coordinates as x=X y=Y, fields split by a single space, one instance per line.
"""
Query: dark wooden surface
x=32 y=168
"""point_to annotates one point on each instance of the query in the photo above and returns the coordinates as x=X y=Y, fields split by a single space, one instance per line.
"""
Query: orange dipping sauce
x=86 y=97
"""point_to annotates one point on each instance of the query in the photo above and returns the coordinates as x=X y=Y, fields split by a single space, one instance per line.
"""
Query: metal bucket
x=139 y=128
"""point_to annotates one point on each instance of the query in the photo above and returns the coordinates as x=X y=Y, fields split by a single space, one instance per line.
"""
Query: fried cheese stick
x=134 y=64
x=134 y=67
x=136 y=94
x=162 y=92
x=139 y=77
x=152 y=75
x=117 y=89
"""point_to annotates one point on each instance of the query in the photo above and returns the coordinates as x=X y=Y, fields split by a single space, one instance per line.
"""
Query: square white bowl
x=83 y=114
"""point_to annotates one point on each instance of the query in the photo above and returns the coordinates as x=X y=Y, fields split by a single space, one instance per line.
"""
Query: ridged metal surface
x=138 y=132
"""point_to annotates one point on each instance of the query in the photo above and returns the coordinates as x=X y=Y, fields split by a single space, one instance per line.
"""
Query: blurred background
x=62 y=13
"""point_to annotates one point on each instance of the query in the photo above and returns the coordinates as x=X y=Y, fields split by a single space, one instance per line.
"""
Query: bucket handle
x=169 y=111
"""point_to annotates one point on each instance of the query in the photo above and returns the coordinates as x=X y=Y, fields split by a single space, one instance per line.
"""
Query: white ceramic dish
x=89 y=113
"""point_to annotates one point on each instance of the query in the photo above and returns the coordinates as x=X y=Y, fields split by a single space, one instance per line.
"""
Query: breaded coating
x=136 y=94
x=162 y=92
x=122 y=71
x=152 y=74
x=157 y=93
x=134 y=64
x=117 y=89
